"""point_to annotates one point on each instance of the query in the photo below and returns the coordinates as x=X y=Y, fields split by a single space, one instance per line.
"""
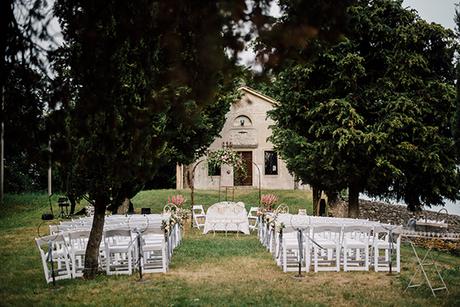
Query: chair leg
x=307 y=257
x=315 y=256
x=129 y=262
x=366 y=258
x=67 y=266
x=107 y=262
x=284 y=259
x=345 y=259
x=74 y=263
x=337 y=256
x=376 y=259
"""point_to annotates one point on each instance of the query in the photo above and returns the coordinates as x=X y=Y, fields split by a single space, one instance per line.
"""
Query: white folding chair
x=119 y=249
x=292 y=253
x=253 y=218
x=54 y=256
x=199 y=216
x=78 y=240
x=154 y=253
x=326 y=256
x=382 y=241
x=355 y=242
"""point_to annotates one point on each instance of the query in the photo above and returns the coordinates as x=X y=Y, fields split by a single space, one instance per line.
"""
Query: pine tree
x=372 y=112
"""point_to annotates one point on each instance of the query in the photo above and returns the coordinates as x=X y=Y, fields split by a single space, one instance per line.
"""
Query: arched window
x=242 y=121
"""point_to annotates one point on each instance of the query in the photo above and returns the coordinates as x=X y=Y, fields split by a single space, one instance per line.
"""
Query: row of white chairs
x=329 y=244
x=127 y=243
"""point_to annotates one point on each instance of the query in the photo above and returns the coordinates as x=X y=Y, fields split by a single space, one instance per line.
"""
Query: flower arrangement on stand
x=176 y=200
x=178 y=212
x=268 y=201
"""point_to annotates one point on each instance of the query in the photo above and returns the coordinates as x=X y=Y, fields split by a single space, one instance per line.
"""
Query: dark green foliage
x=23 y=82
x=373 y=111
x=456 y=123
x=146 y=86
x=165 y=178
x=301 y=22
x=25 y=137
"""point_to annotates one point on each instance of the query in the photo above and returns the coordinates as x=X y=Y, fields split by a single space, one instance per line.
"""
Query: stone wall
x=396 y=214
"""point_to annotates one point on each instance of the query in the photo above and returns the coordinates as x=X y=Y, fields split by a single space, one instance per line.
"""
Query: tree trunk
x=316 y=198
x=353 y=201
x=190 y=179
x=95 y=237
x=124 y=207
x=130 y=207
x=73 y=203
x=412 y=201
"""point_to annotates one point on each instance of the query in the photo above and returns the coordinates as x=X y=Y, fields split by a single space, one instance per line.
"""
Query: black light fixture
x=146 y=211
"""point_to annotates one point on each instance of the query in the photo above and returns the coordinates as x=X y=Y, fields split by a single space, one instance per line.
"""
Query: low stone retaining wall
x=397 y=215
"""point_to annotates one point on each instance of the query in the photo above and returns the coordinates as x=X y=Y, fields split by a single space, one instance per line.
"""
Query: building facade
x=246 y=130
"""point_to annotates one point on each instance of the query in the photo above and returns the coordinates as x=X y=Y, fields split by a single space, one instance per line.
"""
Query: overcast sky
x=439 y=11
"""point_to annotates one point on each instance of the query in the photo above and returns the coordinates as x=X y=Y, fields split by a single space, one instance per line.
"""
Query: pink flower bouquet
x=268 y=200
x=177 y=200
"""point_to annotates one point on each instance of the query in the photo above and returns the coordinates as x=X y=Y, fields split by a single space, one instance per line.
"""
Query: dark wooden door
x=240 y=179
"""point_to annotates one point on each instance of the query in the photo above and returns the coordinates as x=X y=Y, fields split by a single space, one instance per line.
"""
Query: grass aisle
x=205 y=270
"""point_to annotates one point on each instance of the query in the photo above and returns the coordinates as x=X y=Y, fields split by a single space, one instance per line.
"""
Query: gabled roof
x=257 y=94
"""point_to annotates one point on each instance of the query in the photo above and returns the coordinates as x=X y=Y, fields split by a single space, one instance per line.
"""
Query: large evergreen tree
x=141 y=83
x=373 y=112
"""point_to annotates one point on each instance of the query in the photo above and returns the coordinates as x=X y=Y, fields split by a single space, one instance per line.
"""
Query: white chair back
x=55 y=257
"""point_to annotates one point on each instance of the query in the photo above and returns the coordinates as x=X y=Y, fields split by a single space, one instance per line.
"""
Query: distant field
x=206 y=269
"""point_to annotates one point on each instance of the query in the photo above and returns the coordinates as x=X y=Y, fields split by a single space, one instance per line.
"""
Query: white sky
x=439 y=11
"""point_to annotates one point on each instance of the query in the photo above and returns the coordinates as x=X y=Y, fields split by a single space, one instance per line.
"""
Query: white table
x=227 y=216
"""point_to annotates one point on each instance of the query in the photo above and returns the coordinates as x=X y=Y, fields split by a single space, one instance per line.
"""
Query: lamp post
x=50 y=192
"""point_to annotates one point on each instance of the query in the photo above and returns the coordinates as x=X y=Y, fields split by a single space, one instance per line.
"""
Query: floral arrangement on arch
x=268 y=201
x=229 y=157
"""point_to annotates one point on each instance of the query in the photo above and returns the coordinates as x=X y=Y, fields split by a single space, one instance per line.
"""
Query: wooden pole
x=49 y=169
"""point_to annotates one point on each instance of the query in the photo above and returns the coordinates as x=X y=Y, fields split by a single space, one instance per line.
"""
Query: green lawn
x=206 y=269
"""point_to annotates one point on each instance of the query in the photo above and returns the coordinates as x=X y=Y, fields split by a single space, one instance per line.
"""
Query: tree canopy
x=140 y=83
x=373 y=111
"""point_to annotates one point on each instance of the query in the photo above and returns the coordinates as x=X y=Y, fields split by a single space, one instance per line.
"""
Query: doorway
x=240 y=179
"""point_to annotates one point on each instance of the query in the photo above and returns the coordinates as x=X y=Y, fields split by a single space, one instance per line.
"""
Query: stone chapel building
x=246 y=130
